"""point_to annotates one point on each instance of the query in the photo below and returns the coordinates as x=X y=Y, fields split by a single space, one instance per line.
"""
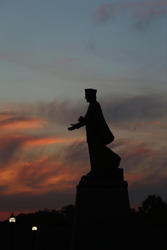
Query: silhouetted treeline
x=54 y=229
x=146 y=227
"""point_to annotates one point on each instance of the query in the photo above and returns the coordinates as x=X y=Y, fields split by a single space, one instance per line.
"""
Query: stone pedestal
x=102 y=208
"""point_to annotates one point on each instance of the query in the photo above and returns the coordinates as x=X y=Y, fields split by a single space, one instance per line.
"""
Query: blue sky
x=50 y=52
x=54 y=45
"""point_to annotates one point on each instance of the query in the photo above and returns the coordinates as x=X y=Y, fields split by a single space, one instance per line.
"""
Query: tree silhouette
x=154 y=209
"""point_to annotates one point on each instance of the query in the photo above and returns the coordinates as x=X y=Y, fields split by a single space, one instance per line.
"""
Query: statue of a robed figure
x=103 y=160
x=102 y=200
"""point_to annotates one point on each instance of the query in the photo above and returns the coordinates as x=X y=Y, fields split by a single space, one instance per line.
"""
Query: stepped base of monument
x=102 y=209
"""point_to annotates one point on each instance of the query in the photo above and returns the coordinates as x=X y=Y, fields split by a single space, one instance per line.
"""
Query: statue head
x=90 y=95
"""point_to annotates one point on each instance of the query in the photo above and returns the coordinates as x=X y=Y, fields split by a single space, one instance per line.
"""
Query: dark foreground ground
x=145 y=228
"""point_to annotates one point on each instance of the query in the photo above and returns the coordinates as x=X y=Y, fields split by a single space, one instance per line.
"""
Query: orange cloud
x=29 y=167
x=23 y=174
x=59 y=171
x=4 y=116
x=46 y=141
x=39 y=176
x=13 y=145
x=22 y=123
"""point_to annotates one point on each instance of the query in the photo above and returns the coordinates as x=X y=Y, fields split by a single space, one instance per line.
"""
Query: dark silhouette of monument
x=102 y=202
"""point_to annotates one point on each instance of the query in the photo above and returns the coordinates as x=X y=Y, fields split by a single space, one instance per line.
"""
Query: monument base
x=102 y=209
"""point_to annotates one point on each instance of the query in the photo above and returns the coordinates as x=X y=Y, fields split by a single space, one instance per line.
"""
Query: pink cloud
x=23 y=124
x=40 y=162
x=46 y=141
x=39 y=176
x=140 y=9
x=12 y=144
x=23 y=169
x=12 y=121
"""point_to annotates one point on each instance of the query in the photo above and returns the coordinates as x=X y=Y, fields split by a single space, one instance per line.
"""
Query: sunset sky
x=50 y=52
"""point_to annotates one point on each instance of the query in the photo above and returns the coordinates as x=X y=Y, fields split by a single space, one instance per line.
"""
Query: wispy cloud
x=16 y=122
x=38 y=159
x=139 y=109
x=59 y=171
x=13 y=143
x=27 y=162
x=140 y=10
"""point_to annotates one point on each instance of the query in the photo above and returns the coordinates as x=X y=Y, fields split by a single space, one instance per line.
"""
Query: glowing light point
x=34 y=228
x=12 y=219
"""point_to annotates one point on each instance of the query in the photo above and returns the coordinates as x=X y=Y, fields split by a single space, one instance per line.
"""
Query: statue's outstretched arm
x=81 y=123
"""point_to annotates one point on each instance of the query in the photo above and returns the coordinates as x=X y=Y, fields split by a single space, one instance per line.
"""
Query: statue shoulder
x=95 y=105
x=95 y=110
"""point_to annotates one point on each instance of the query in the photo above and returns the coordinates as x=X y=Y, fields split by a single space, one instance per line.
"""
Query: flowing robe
x=97 y=130
x=102 y=159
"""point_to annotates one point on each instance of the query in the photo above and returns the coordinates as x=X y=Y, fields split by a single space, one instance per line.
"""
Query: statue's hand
x=72 y=127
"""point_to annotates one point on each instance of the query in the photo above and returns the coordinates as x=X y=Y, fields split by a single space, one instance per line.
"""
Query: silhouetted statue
x=102 y=159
